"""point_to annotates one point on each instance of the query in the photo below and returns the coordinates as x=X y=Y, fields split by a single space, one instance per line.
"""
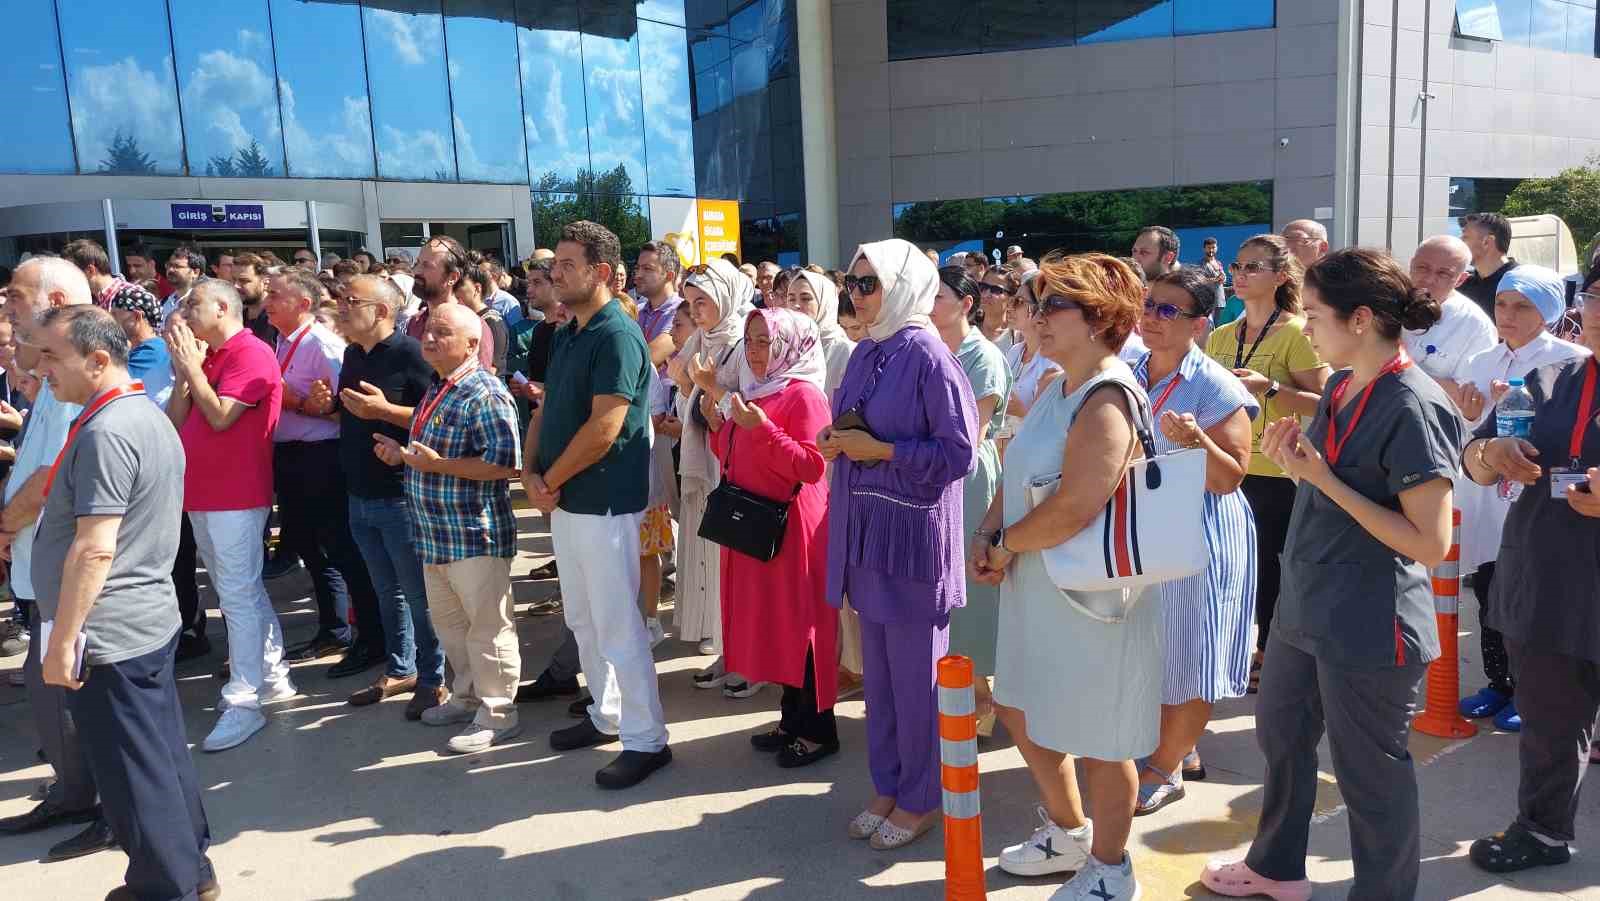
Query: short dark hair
x=666 y=254
x=1209 y=240
x=191 y=255
x=363 y=252
x=137 y=249
x=89 y=329
x=1493 y=223
x=1196 y=283
x=1166 y=238
x=732 y=258
x=599 y=244
x=482 y=279
x=248 y=260
x=84 y=253
x=345 y=268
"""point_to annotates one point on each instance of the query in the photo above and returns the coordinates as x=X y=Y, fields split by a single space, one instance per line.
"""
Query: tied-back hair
x=1346 y=280
x=963 y=285
x=1287 y=297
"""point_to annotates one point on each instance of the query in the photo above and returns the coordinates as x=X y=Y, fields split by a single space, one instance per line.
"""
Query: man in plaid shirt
x=463 y=447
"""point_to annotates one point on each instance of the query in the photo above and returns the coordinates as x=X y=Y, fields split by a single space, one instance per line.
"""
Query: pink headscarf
x=796 y=355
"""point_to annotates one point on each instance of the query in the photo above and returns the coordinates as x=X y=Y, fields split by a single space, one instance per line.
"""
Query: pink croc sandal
x=1236 y=880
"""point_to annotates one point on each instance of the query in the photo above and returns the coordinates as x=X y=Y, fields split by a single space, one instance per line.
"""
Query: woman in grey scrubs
x=1355 y=626
x=1543 y=597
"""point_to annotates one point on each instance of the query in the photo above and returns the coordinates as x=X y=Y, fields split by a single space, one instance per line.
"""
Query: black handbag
x=743 y=521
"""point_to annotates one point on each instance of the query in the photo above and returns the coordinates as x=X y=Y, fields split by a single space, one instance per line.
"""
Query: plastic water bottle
x=1513 y=418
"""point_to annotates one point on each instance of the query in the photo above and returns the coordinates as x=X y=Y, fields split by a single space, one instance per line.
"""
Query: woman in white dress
x=719 y=298
x=1066 y=683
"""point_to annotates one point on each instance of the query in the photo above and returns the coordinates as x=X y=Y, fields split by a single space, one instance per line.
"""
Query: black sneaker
x=358 y=659
x=546 y=687
x=579 y=709
x=583 y=735
x=1516 y=849
x=631 y=768
x=324 y=644
x=279 y=565
x=547 y=571
x=771 y=742
x=13 y=638
x=192 y=647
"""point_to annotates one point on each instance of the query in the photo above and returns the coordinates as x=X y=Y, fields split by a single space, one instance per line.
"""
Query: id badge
x=1561 y=478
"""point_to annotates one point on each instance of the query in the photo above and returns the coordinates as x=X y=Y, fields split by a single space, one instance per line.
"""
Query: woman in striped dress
x=1206 y=617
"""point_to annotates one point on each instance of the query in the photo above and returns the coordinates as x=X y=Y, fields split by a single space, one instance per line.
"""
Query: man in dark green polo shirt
x=588 y=465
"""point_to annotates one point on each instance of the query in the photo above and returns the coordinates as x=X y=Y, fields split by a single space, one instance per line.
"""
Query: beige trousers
x=470 y=602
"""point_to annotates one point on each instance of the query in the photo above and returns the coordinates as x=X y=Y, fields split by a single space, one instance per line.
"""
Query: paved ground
x=333 y=802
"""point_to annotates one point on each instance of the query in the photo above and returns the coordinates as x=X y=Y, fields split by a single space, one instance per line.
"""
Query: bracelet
x=1482 y=448
x=983 y=533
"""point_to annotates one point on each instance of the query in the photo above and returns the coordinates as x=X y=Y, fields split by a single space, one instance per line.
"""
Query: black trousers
x=184 y=566
x=1496 y=663
x=132 y=732
x=314 y=512
x=1271 y=500
x=799 y=714
x=1560 y=698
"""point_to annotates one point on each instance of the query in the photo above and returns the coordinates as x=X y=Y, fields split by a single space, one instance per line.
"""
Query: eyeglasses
x=1055 y=303
x=1253 y=267
x=1582 y=299
x=1166 y=312
x=986 y=288
x=350 y=303
x=862 y=286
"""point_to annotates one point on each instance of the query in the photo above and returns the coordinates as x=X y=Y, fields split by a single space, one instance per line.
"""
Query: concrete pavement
x=331 y=801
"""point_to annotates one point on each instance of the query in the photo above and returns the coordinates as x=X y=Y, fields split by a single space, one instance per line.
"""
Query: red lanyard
x=421 y=418
x=1162 y=400
x=1585 y=404
x=93 y=408
x=293 y=346
x=1335 y=443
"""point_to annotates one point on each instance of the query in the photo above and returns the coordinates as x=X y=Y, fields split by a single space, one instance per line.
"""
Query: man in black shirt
x=382 y=379
x=1488 y=236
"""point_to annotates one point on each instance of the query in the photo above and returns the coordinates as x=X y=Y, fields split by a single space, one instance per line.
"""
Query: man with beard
x=1156 y=251
x=250 y=279
x=441 y=263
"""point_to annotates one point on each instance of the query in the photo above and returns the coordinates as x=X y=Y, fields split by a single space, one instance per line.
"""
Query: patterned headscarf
x=910 y=283
x=136 y=299
x=796 y=355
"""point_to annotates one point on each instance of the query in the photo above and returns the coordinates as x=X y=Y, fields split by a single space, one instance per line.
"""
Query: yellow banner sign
x=719 y=228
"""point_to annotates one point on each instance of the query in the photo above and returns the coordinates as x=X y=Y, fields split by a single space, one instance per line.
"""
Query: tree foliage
x=1574 y=195
x=247 y=162
x=125 y=158
x=604 y=197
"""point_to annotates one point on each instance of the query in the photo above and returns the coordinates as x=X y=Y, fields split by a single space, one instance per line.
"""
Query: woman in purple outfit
x=901 y=445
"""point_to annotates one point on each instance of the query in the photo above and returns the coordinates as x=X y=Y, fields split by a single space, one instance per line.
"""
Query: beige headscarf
x=734 y=294
x=836 y=345
x=910 y=283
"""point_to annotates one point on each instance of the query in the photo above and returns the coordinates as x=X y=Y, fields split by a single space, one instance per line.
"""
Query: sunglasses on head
x=1166 y=312
x=863 y=285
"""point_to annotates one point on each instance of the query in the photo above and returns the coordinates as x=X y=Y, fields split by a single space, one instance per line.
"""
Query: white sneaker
x=712 y=676
x=737 y=687
x=477 y=738
x=657 y=634
x=1102 y=882
x=707 y=647
x=448 y=714
x=233 y=728
x=272 y=694
x=1050 y=849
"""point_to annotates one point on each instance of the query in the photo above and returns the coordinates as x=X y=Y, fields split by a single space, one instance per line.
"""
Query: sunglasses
x=1166 y=312
x=1055 y=303
x=1251 y=268
x=862 y=286
x=993 y=289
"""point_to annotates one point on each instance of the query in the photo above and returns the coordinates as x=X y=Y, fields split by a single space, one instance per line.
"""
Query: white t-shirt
x=1025 y=376
x=1463 y=332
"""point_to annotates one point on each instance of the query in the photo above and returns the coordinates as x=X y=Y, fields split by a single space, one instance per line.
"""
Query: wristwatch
x=998 y=539
x=1272 y=389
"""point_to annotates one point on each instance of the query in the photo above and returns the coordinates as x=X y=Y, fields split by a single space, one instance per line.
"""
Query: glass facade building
x=596 y=105
x=1567 y=26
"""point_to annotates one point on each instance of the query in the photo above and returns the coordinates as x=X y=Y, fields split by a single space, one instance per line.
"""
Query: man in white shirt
x=1438 y=267
x=185 y=267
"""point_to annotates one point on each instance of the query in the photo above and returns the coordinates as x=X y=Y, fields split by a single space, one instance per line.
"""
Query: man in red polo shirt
x=225 y=402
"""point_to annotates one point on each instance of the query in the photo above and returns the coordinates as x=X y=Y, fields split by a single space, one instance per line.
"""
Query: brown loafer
x=385 y=687
x=426 y=699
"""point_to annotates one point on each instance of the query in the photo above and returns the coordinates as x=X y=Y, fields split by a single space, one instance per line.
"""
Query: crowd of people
x=846 y=476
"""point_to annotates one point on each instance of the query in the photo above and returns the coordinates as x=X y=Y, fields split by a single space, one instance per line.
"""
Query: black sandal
x=795 y=754
x=1516 y=849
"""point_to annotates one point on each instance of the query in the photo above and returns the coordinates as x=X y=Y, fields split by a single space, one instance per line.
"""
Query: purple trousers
x=901 y=684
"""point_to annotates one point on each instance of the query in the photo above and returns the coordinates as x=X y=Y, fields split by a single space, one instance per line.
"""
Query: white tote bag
x=1152 y=529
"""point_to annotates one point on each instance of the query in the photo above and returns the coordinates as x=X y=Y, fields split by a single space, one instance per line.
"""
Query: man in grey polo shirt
x=108 y=533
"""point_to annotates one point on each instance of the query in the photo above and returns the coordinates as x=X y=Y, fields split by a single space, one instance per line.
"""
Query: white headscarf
x=796 y=355
x=910 y=283
x=827 y=295
x=733 y=293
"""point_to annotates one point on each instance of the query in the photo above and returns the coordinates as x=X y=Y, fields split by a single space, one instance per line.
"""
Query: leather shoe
x=323 y=644
x=192 y=647
x=631 y=768
x=207 y=891
x=358 y=659
x=424 y=699
x=796 y=754
x=97 y=837
x=579 y=709
x=546 y=687
x=44 y=815
x=771 y=742
x=583 y=735
x=385 y=687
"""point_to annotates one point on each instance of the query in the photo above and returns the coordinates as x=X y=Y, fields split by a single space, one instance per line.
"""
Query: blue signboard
x=218 y=215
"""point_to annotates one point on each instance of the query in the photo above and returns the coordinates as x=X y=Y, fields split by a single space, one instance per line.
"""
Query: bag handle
x=1143 y=428
x=727 y=464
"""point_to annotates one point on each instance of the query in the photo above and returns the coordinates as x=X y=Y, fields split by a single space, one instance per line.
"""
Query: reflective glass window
x=1548 y=29
x=713 y=89
x=668 y=11
x=706 y=13
x=749 y=68
x=709 y=48
x=746 y=24
x=1516 y=21
x=1024 y=24
x=410 y=95
x=230 y=97
x=1202 y=16
x=628 y=217
x=31 y=66
x=612 y=92
x=1478 y=19
x=1580 y=31
x=322 y=86
x=119 y=76
x=919 y=28
x=668 y=129
x=552 y=210
x=1123 y=20
x=554 y=119
x=485 y=93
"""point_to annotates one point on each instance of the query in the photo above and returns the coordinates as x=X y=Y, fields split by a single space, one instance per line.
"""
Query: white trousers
x=229 y=542
x=599 y=557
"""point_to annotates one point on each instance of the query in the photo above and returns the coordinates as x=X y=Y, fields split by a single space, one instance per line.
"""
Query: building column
x=819 y=149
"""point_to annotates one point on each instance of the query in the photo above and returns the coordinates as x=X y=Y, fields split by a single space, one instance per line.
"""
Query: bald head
x=451 y=337
x=1308 y=240
x=1439 y=266
x=41 y=283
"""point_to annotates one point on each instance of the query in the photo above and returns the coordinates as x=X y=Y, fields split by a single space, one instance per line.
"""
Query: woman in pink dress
x=776 y=627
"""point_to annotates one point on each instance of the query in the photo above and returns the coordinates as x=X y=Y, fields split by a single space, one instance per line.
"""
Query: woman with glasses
x=995 y=290
x=1529 y=301
x=1268 y=350
x=1206 y=618
x=901 y=442
x=719 y=298
x=1030 y=370
x=1069 y=683
x=1544 y=596
x=973 y=627
x=1356 y=626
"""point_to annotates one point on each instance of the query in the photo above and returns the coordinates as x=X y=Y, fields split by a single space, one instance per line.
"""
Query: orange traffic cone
x=1441 y=716
x=963 y=822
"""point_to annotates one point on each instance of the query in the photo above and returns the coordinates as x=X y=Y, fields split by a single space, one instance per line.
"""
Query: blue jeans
x=382 y=530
